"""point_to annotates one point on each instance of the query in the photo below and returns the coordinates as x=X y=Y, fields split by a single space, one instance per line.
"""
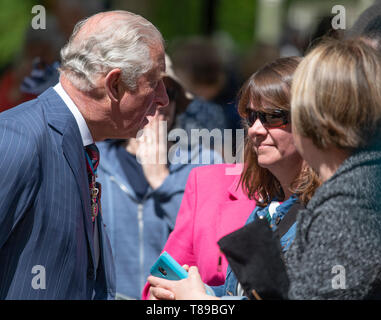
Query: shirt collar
x=83 y=128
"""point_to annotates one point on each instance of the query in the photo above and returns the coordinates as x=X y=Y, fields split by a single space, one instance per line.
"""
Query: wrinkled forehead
x=158 y=61
x=161 y=62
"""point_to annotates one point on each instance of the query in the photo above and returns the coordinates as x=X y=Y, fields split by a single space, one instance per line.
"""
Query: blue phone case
x=168 y=268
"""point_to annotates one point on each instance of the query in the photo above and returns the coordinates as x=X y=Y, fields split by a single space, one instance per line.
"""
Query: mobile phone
x=168 y=268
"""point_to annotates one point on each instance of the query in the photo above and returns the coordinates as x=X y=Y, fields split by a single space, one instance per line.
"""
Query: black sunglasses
x=275 y=119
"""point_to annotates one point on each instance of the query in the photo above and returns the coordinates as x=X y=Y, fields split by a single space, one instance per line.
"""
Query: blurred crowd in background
x=214 y=44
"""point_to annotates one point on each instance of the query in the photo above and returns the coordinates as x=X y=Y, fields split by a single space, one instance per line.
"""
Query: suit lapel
x=74 y=153
x=62 y=120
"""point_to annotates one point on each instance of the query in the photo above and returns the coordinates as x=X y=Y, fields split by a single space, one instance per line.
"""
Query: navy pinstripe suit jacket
x=45 y=218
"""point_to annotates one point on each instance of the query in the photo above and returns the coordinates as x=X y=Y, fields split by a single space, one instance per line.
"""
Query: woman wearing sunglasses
x=274 y=173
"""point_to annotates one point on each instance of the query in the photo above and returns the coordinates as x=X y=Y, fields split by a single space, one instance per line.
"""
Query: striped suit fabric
x=45 y=218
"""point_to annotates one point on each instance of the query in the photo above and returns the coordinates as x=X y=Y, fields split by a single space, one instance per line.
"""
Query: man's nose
x=162 y=99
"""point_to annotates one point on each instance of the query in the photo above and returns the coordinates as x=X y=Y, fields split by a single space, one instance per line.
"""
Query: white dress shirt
x=83 y=128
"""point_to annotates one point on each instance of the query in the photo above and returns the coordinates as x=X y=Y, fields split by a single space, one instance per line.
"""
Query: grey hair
x=125 y=44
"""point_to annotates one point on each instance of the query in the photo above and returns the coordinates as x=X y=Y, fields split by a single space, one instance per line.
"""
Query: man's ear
x=113 y=85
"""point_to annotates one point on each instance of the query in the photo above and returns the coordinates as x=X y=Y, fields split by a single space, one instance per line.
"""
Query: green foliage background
x=174 y=18
x=15 y=15
x=180 y=18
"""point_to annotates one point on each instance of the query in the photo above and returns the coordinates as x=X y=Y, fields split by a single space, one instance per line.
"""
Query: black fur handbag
x=255 y=256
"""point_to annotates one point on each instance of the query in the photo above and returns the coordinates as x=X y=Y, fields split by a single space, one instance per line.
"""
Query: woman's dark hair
x=270 y=86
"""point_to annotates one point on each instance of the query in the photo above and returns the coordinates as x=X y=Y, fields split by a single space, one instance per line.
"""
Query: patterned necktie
x=92 y=162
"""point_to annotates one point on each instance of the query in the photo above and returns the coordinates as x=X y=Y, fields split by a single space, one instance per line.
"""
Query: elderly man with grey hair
x=53 y=242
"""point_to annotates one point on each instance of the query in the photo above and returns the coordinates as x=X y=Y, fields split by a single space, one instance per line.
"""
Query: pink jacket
x=211 y=208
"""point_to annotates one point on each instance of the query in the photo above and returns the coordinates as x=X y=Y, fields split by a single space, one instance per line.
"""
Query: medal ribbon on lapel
x=92 y=162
